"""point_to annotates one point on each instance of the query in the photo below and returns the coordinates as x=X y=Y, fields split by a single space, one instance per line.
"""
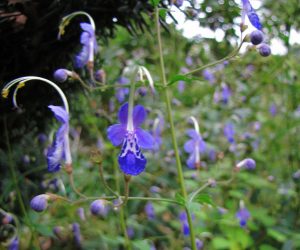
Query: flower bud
x=100 y=75
x=264 y=50
x=61 y=75
x=39 y=203
x=256 y=37
x=247 y=163
x=98 y=207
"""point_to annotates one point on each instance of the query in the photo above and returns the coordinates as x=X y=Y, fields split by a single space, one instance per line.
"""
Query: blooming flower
x=243 y=215
x=89 y=46
x=122 y=92
x=128 y=132
x=149 y=210
x=39 y=203
x=194 y=147
x=250 y=12
x=60 y=148
x=229 y=132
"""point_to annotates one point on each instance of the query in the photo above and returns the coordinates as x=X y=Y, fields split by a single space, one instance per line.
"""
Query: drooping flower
x=122 y=92
x=60 y=149
x=132 y=137
x=195 y=146
x=243 y=215
x=250 y=12
x=149 y=210
x=89 y=46
x=229 y=132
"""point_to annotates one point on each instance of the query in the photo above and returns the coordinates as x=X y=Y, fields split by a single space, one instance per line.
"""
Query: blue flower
x=76 y=234
x=250 y=12
x=194 y=147
x=60 y=149
x=14 y=245
x=128 y=132
x=184 y=223
x=226 y=93
x=243 y=216
x=209 y=76
x=229 y=132
x=149 y=209
x=99 y=207
x=122 y=92
x=89 y=46
x=39 y=203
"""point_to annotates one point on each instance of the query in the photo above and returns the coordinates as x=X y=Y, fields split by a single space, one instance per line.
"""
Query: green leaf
x=220 y=243
x=44 y=230
x=204 y=199
x=179 y=198
x=177 y=78
x=141 y=244
x=154 y=2
x=276 y=235
x=163 y=13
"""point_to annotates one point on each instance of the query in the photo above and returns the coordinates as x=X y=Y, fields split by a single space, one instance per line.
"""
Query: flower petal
x=202 y=146
x=60 y=113
x=139 y=115
x=130 y=164
x=189 y=146
x=192 y=133
x=123 y=114
x=144 y=139
x=88 y=28
x=191 y=161
x=116 y=134
x=55 y=153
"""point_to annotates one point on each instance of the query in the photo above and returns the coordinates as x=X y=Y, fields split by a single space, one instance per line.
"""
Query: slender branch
x=71 y=179
x=199 y=190
x=104 y=181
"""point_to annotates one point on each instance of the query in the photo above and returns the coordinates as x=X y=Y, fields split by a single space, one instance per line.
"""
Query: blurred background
x=257 y=97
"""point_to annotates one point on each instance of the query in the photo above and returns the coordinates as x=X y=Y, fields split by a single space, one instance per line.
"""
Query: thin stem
x=199 y=190
x=104 y=181
x=231 y=55
x=170 y=118
x=71 y=179
x=127 y=181
x=127 y=244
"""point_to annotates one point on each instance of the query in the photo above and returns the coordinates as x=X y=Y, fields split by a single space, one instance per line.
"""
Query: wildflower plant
x=133 y=139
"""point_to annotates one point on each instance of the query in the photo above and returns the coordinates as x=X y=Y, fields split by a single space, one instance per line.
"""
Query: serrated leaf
x=179 y=198
x=204 y=199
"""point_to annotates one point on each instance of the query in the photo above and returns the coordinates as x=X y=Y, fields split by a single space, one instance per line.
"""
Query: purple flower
x=60 y=149
x=212 y=155
x=296 y=175
x=133 y=138
x=89 y=46
x=229 y=132
x=226 y=93
x=194 y=147
x=264 y=50
x=256 y=37
x=199 y=244
x=189 y=61
x=80 y=212
x=39 y=203
x=181 y=86
x=100 y=75
x=122 y=92
x=250 y=12
x=243 y=216
x=76 y=233
x=61 y=75
x=209 y=76
x=14 y=244
x=149 y=210
x=273 y=109
x=156 y=132
x=184 y=223
x=99 y=207
x=130 y=232
x=7 y=219
x=247 y=163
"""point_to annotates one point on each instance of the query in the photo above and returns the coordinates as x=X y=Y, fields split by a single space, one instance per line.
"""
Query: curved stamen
x=143 y=71
x=66 y=20
x=196 y=124
x=21 y=83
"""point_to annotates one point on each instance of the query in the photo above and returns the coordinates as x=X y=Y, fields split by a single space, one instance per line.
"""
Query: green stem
x=104 y=181
x=170 y=118
x=231 y=55
x=121 y=208
x=198 y=191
